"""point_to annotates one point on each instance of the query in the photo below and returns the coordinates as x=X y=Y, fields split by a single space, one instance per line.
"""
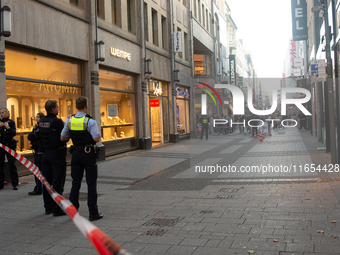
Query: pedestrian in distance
x=54 y=155
x=302 y=120
x=38 y=153
x=7 y=133
x=83 y=131
x=254 y=124
x=205 y=126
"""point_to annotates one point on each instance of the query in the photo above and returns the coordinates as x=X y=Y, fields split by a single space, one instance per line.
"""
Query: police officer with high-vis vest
x=205 y=126
x=54 y=156
x=83 y=131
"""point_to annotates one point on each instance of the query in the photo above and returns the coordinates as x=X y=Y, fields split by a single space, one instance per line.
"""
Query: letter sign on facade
x=299 y=20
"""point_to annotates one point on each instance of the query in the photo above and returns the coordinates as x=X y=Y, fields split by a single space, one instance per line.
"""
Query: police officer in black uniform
x=38 y=153
x=54 y=155
x=205 y=126
x=7 y=133
x=83 y=131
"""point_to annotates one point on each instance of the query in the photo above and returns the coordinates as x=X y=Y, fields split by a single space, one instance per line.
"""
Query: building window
x=180 y=53
x=100 y=9
x=195 y=9
x=207 y=17
x=164 y=33
x=202 y=65
x=154 y=27
x=210 y=23
x=78 y=3
x=146 y=30
x=203 y=15
x=185 y=3
x=131 y=16
x=199 y=11
x=116 y=12
x=186 y=46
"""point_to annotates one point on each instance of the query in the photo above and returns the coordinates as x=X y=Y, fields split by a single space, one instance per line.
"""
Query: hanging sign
x=177 y=42
x=154 y=103
x=299 y=20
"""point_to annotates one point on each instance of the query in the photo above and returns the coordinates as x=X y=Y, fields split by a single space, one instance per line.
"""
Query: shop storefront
x=158 y=111
x=118 y=111
x=32 y=78
x=183 y=110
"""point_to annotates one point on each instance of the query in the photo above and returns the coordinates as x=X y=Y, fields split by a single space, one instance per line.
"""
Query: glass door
x=156 y=122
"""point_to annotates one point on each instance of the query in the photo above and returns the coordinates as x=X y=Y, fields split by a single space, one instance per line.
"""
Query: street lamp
x=5 y=13
x=328 y=89
x=100 y=51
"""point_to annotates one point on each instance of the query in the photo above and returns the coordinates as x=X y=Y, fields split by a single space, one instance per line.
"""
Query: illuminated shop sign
x=156 y=88
x=154 y=103
x=120 y=53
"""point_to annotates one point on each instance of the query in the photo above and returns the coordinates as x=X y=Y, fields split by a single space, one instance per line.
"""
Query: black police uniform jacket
x=50 y=128
x=7 y=135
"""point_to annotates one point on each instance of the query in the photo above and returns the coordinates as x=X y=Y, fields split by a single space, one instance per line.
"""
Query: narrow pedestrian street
x=225 y=195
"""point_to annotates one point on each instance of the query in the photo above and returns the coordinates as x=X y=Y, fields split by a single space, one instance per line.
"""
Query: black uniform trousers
x=54 y=170
x=13 y=172
x=205 y=127
x=80 y=161
x=38 y=163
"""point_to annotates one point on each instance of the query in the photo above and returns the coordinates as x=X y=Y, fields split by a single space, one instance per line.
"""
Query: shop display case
x=116 y=129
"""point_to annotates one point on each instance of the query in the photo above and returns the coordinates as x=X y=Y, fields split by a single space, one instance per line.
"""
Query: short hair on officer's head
x=50 y=104
x=81 y=103
x=4 y=109
x=41 y=115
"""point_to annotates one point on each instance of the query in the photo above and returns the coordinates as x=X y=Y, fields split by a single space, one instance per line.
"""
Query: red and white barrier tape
x=104 y=244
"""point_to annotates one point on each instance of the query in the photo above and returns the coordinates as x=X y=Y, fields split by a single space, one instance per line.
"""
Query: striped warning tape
x=104 y=244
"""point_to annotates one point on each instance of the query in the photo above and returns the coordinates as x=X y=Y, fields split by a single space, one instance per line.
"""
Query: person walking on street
x=54 y=155
x=205 y=126
x=83 y=131
x=7 y=133
x=38 y=152
x=302 y=120
x=254 y=124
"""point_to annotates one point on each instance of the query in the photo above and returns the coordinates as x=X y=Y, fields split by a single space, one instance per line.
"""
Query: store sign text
x=48 y=88
x=154 y=103
x=41 y=88
x=120 y=53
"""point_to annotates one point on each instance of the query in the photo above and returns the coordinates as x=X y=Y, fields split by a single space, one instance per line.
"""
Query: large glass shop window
x=182 y=111
x=33 y=79
x=117 y=105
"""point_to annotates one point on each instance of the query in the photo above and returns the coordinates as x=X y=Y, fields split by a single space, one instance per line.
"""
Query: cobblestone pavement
x=167 y=201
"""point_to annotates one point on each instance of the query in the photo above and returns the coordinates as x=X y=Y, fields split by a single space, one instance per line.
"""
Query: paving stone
x=185 y=250
x=194 y=241
x=307 y=246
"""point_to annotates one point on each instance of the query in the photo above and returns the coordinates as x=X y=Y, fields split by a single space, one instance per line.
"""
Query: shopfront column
x=91 y=76
x=3 y=96
x=144 y=134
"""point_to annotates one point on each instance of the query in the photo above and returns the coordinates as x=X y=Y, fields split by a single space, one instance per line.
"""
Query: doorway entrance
x=156 y=121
